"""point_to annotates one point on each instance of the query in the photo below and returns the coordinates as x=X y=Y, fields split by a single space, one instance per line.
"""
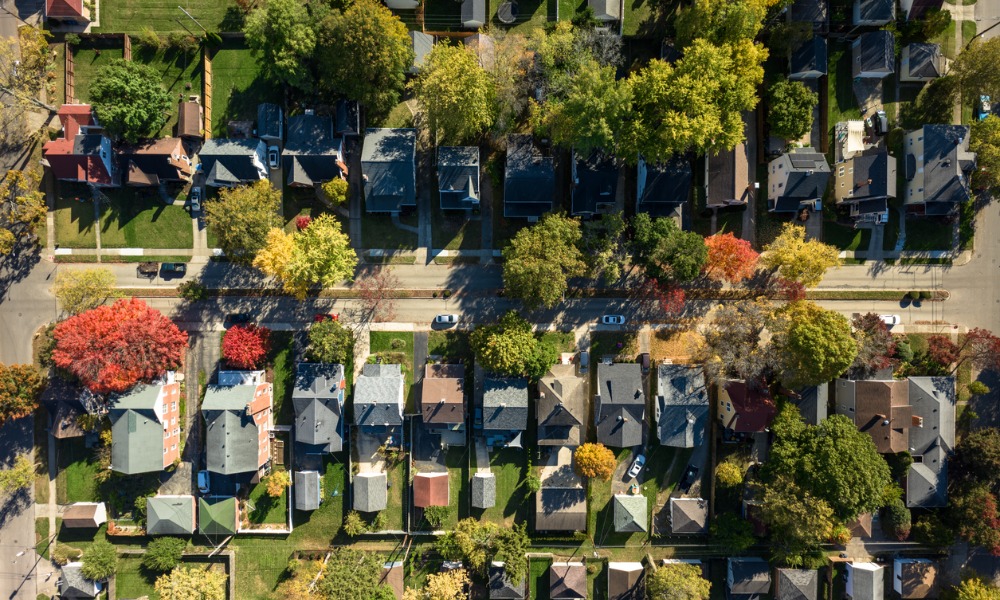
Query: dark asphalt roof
x=596 y=182
x=809 y=56
x=621 y=404
x=924 y=59
x=662 y=188
x=874 y=51
x=529 y=179
x=389 y=169
x=505 y=403
x=458 y=176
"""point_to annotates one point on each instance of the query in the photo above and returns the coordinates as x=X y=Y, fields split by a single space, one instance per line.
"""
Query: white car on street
x=890 y=320
x=613 y=319
x=446 y=319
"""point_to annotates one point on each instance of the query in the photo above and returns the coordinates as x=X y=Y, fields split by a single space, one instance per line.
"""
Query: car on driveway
x=203 y=482
x=890 y=320
x=690 y=474
x=195 y=199
x=446 y=319
x=613 y=319
x=272 y=157
x=637 y=465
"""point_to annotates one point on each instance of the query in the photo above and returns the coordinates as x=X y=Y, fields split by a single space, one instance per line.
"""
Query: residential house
x=747 y=578
x=662 y=189
x=191 y=119
x=595 y=182
x=85 y=515
x=875 y=13
x=864 y=184
x=562 y=407
x=422 y=44
x=270 y=122
x=688 y=516
x=631 y=513
x=796 y=584
x=915 y=578
x=348 y=118
x=620 y=405
x=501 y=587
x=442 y=402
x=238 y=423
x=389 y=169
x=796 y=180
x=916 y=9
x=812 y=403
x=231 y=162
x=430 y=489
x=529 y=180
x=306 y=488
x=318 y=399
x=681 y=409
x=378 y=399
x=567 y=581
x=874 y=53
x=865 y=581
x=744 y=408
x=67 y=13
x=392 y=577
x=83 y=153
x=808 y=60
x=218 y=517
x=473 y=13
x=145 y=430
x=561 y=509
x=626 y=581
x=880 y=408
x=938 y=166
x=156 y=162
x=370 y=492
x=504 y=410
x=861 y=526
x=312 y=155
x=484 y=490
x=171 y=515
x=813 y=12
x=458 y=177
x=73 y=584
x=922 y=62
x=932 y=441
x=606 y=11
x=727 y=175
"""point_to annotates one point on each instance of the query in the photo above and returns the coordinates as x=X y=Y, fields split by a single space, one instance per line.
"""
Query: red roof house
x=743 y=408
x=430 y=489
x=67 y=12
x=81 y=154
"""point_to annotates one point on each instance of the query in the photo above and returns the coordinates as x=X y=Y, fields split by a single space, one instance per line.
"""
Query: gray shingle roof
x=136 y=432
x=809 y=11
x=662 y=188
x=813 y=405
x=562 y=406
x=620 y=404
x=631 y=513
x=795 y=177
x=946 y=167
x=596 y=180
x=797 y=584
x=501 y=587
x=310 y=156
x=872 y=176
x=874 y=11
x=809 y=57
x=529 y=179
x=231 y=436
x=388 y=165
x=561 y=509
x=567 y=580
x=217 y=516
x=484 y=490
x=306 y=490
x=505 y=404
x=933 y=401
x=688 y=515
x=874 y=52
x=370 y=492
x=75 y=585
x=682 y=406
x=317 y=401
x=925 y=60
x=269 y=121
x=749 y=576
x=170 y=515
x=378 y=396
x=458 y=177
x=228 y=161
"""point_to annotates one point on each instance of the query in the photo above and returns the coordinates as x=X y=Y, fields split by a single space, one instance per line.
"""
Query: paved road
x=987 y=14
x=17 y=524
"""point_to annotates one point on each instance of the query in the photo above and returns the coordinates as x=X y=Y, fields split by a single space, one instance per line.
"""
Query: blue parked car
x=984 y=108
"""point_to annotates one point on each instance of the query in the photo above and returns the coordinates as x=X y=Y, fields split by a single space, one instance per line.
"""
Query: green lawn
x=846 y=238
x=237 y=87
x=623 y=345
x=394 y=508
x=266 y=508
x=452 y=230
x=77 y=477
x=532 y=14
x=303 y=202
x=42 y=537
x=132 y=581
x=260 y=563
x=842 y=104
x=449 y=344
x=382 y=342
x=282 y=361
x=649 y=19
x=926 y=234
x=512 y=498
x=86 y=63
x=131 y=220
x=564 y=341
x=131 y=16
x=318 y=528
x=399 y=117
x=378 y=231
x=569 y=8
x=538 y=578
x=182 y=76
x=59 y=49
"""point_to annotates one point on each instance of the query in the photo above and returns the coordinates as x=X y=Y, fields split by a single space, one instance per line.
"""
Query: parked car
x=235 y=319
x=147 y=269
x=175 y=269
x=613 y=319
x=644 y=362
x=584 y=361
x=203 y=482
x=637 y=465
x=984 y=108
x=890 y=320
x=690 y=474
x=195 y=199
x=325 y=317
x=446 y=319
x=272 y=156
x=881 y=123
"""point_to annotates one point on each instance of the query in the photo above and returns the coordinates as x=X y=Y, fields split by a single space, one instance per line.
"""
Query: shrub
x=435 y=515
x=728 y=474
x=62 y=554
x=72 y=40
x=899 y=464
x=147 y=38
x=840 y=535
x=379 y=523
x=930 y=531
x=978 y=388
x=99 y=561
x=192 y=291
x=532 y=483
x=303 y=221
x=336 y=191
x=163 y=554
x=354 y=525
x=914 y=295
x=896 y=519
x=926 y=295
x=397 y=344
x=277 y=482
x=182 y=42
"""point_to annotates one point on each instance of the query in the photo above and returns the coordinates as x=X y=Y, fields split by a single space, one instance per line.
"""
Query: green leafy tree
x=975 y=69
x=977 y=457
x=666 y=251
x=603 y=246
x=728 y=473
x=930 y=530
x=130 y=100
x=507 y=62
x=336 y=191
x=163 y=554
x=541 y=258
x=896 y=519
x=540 y=360
x=720 y=21
x=815 y=346
x=679 y=581
x=510 y=348
x=447 y=585
x=985 y=142
x=99 y=561
x=731 y=532
x=974 y=511
x=436 y=515
x=321 y=254
x=974 y=588
x=591 y=114
x=241 y=218
x=875 y=344
x=795 y=259
x=456 y=94
x=81 y=290
x=363 y=53
x=799 y=523
x=19 y=476
x=280 y=34
x=20 y=386
x=330 y=342
x=22 y=207
x=192 y=583
x=477 y=543
x=790 y=113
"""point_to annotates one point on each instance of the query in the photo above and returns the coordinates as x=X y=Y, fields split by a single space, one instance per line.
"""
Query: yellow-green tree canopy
x=679 y=581
x=321 y=254
x=81 y=290
x=241 y=218
x=541 y=258
x=799 y=522
x=985 y=142
x=192 y=583
x=814 y=345
x=795 y=259
x=22 y=207
x=456 y=94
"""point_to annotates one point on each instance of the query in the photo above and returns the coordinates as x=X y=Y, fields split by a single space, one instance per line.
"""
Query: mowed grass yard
x=132 y=220
x=162 y=16
x=182 y=76
x=512 y=497
x=382 y=342
x=86 y=63
x=237 y=87
x=77 y=478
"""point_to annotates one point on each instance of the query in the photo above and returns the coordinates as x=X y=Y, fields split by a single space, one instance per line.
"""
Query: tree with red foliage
x=942 y=350
x=302 y=221
x=670 y=298
x=790 y=290
x=975 y=511
x=111 y=348
x=377 y=292
x=730 y=258
x=982 y=348
x=245 y=346
x=875 y=344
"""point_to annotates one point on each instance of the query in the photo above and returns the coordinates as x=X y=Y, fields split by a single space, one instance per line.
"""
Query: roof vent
x=441 y=401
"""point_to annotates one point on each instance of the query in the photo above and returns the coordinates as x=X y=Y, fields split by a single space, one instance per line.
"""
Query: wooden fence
x=68 y=78
x=207 y=95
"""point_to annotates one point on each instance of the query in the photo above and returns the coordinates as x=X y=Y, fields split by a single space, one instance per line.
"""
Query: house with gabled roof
x=529 y=179
x=922 y=61
x=727 y=174
x=217 y=516
x=389 y=169
x=688 y=516
x=567 y=581
x=620 y=405
x=83 y=153
x=312 y=154
x=812 y=402
x=561 y=509
x=378 y=399
x=561 y=409
x=631 y=513
x=154 y=162
x=306 y=488
x=932 y=441
x=67 y=13
x=797 y=180
x=595 y=183
x=170 y=515
x=747 y=577
x=626 y=581
x=681 y=408
x=796 y=584
x=458 y=177
x=814 y=12
x=442 y=402
x=231 y=162
x=745 y=408
x=318 y=399
x=145 y=428
x=73 y=584
x=874 y=12
x=865 y=581
x=370 y=492
x=864 y=184
x=880 y=408
x=663 y=188
x=915 y=578
x=430 y=489
x=500 y=585
x=191 y=119
x=85 y=515
x=238 y=423
x=270 y=122
x=938 y=166
x=808 y=60
x=484 y=490
x=874 y=54
x=504 y=409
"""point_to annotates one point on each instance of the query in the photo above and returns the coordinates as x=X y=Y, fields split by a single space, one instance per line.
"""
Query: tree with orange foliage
x=730 y=258
x=595 y=460
x=111 y=348
x=245 y=346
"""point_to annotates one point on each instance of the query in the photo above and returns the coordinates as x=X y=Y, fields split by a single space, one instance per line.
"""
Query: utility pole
x=193 y=19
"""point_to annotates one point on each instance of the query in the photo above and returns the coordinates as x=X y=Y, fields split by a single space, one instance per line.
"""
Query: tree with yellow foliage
x=447 y=585
x=795 y=259
x=320 y=254
x=192 y=583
